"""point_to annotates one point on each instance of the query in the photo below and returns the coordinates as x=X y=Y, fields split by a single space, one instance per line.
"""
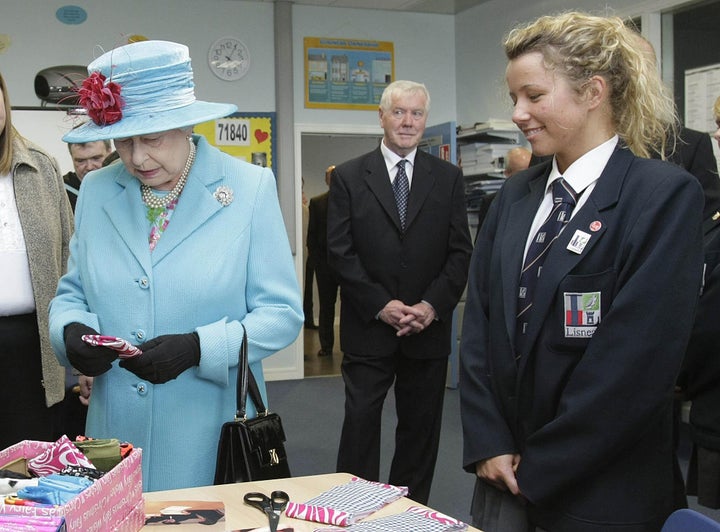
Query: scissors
x=272 y=506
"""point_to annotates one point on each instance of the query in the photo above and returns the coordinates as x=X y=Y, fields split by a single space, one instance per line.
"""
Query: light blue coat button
x=144 y=283
x=142 y=389
x=140 y=335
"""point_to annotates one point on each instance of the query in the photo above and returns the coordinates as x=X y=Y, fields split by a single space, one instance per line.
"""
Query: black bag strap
x=246 y=383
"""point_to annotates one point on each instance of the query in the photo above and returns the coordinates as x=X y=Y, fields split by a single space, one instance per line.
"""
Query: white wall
x=39 y=40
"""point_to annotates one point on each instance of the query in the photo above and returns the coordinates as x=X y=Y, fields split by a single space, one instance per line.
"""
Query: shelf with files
x=482 y=149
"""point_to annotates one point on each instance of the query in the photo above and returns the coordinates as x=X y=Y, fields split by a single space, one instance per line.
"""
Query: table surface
x=239 y=515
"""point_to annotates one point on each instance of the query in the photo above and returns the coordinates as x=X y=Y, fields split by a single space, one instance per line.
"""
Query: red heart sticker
x=260 y=135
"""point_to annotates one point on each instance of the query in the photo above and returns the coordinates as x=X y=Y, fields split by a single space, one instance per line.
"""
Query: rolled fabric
x=123 y=347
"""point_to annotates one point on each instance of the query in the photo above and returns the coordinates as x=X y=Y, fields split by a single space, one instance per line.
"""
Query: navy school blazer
x=588 y=405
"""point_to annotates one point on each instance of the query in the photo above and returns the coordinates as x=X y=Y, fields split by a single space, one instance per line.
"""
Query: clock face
x=229 y=59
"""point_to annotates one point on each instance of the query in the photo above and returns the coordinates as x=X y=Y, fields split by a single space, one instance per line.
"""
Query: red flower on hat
x=102 y=101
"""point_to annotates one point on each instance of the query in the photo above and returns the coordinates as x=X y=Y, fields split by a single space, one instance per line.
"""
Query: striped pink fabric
x=414 y=519
x=435 y=515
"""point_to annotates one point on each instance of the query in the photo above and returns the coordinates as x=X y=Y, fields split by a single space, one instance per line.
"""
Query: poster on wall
x=346 y=73
x=247 y=136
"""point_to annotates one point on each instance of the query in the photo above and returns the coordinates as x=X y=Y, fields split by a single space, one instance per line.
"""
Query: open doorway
x=318 y=150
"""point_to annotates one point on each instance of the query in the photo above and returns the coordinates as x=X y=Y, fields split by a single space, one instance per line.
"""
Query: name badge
x=578 y=241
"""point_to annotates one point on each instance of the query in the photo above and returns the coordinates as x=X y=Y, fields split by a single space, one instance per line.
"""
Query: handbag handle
x=246 y=383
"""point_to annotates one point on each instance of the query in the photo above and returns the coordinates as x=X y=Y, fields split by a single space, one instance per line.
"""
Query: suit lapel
x=378 y=180
x=422 y=183
x=520 y=219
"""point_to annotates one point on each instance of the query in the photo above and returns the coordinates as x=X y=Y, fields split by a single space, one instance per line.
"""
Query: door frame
x=289 y=363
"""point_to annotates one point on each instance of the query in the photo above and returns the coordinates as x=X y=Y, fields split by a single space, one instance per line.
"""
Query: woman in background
x=35 y=229
x=571 y=344
x=177 y=250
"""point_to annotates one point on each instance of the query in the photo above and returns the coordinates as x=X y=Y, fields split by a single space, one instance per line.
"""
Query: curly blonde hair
x=579 y=46
x=716 y=109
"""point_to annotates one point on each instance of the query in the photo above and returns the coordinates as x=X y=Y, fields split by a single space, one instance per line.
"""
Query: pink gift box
x=112 y=503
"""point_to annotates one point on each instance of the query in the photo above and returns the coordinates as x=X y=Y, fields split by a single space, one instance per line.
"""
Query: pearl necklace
x=161 y=202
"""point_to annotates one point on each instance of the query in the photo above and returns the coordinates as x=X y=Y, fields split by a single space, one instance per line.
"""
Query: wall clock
x=229 y=58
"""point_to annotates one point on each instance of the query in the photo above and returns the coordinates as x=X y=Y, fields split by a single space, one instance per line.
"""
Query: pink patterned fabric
x=347 y=503
x=413 y=519
x=59 y=455
x=125 y=348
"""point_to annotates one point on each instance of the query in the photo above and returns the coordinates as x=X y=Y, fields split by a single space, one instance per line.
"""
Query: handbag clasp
x=274 y=458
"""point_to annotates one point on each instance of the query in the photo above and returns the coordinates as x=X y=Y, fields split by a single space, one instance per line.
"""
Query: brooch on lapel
x=224 y=195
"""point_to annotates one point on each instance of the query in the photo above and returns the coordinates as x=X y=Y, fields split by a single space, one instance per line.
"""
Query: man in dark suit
x=326 y=281
x=701 y=380
x=693 y=151
x=400 y=280
x=701 y=368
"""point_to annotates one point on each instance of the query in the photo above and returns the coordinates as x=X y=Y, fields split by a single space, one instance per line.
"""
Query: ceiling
x=447 y=7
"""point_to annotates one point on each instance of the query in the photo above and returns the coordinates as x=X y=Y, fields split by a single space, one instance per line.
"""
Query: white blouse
x=16 y=295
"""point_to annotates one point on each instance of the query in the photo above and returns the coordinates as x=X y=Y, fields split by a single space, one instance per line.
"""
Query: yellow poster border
x=332 y=43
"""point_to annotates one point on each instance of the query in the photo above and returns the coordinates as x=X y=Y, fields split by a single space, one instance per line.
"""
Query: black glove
x=165 y=357
x=88 y=359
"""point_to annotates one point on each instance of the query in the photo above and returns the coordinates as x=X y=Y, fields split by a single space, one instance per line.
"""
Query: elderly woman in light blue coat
x=175 y=250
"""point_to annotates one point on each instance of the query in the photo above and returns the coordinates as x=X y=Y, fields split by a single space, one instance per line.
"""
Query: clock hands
x=229 y=59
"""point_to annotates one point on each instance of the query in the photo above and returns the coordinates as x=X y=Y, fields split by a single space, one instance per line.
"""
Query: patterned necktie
x=401 y=188
x=564 y=198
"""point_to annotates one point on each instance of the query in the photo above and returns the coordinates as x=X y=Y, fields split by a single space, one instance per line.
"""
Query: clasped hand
x=406 y=319
x=500 y=472
x=165 y=357
x=87 y=359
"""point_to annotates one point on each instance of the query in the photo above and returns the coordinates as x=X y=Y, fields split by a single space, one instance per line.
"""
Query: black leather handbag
x=250 y=449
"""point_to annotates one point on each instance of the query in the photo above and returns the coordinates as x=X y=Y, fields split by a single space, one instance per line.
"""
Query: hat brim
x=131 y=126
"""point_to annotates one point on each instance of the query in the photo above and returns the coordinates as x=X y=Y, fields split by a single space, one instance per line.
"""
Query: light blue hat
x=140 y=88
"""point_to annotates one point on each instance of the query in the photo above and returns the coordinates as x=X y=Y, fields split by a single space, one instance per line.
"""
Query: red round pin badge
x=595 y=226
